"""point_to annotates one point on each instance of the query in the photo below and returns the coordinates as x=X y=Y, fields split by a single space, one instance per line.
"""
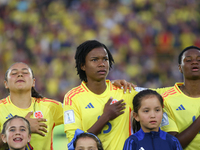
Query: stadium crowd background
x=144 y=36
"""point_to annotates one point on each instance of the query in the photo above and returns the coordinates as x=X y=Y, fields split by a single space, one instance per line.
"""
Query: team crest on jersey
x=38 y=114
x=113 y=101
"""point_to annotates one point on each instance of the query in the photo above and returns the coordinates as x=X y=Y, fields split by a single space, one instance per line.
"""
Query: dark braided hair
x=81 y=53
x=137 y=104
x=34 y=93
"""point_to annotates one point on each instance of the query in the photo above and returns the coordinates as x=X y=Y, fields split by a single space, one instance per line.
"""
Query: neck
x=21 y=100
x=191 y=88
x=97 y=87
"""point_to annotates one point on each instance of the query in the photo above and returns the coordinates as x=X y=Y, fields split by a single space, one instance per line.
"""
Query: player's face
x=17 y=134
x=96 y=64
x=19 y=78
x=190 y=65
x=149 y=114
x=86 y=143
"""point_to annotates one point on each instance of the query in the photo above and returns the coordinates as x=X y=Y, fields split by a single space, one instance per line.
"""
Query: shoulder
x=47 y=101
x=174 y=91
x=81 y=89
x=171 y=137
x=4 y=101
x=131 y=140
x=162 y=90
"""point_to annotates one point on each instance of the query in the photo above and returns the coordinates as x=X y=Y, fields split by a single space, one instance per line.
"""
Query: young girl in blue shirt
x=148 y=111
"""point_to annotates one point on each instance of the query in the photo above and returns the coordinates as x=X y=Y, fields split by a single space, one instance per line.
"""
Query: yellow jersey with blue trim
x=82 y=108
x=49 y=109
x=180 y=111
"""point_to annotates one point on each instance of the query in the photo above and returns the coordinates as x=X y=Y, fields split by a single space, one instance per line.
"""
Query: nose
x=195 y=61
x=17 y=132
x=102 y=63
x=20 y=74
x=152 y=115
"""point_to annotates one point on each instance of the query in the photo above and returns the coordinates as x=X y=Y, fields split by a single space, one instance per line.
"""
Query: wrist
x=105 y=117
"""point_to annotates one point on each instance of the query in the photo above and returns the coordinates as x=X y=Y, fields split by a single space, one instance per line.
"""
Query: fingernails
x=122 y=87
x=124 y=92
x=130 y=91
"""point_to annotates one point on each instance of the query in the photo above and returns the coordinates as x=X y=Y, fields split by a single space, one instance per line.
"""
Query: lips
x=102 y=71
x=18 y=139
x=20 y=81
x=195 y=68
x=153 y=122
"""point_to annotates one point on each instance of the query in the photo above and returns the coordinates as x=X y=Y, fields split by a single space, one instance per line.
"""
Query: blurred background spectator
x=144 y=36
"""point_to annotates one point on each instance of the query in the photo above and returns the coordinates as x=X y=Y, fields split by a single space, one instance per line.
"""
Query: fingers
x=42 y=125
x=131 y=85
x=109 y=101
x=29 y=114
x=42 y=129
x=118 y=83
x=41 y=133
x=42 y=120
x=125 y=84
x=120 y=106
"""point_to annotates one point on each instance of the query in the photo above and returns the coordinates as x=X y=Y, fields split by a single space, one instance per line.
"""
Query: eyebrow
x=15 y=127
x=17 y=69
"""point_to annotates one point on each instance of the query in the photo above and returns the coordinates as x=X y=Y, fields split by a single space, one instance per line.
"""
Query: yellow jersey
x=42 y=108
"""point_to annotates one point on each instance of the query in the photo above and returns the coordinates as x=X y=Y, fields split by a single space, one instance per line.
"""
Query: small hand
x=36 y=124
x=114 y=110
x=123 y=84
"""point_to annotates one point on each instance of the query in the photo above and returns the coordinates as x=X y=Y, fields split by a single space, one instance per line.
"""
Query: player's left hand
x=123 y=84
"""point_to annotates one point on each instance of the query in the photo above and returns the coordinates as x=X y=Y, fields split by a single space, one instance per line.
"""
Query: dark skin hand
x=188 y=134
x=123 y=84
x=110 y=112
x=36 y=124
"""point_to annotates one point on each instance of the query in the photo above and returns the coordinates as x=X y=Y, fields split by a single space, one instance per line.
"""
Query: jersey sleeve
x=58 y=114
x=168 y=123
x=72 y=117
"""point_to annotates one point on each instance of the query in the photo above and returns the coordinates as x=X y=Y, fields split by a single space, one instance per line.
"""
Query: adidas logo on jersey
x=9 y=116
x=181 y=107
x=89 y=106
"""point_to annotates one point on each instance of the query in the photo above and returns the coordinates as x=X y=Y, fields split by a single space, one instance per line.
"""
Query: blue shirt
x=152 y=141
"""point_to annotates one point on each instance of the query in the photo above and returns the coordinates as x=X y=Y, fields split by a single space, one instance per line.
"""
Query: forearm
x=188 y=134
x=98 y=125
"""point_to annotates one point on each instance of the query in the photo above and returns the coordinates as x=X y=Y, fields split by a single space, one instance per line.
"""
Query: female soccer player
x=96 y=105
x=181 y=112
x=17 y=133
x=23 y=100
x=147 y=115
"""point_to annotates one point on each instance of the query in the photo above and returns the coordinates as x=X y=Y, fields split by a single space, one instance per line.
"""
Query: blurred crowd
x=144 y=36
